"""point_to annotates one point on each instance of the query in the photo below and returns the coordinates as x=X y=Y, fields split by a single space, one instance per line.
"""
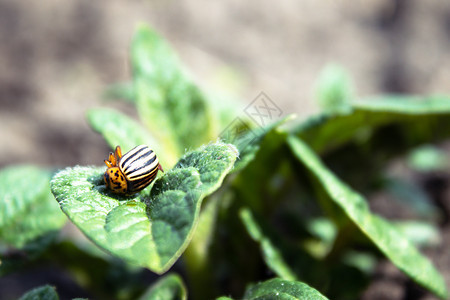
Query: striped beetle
x=132 y=172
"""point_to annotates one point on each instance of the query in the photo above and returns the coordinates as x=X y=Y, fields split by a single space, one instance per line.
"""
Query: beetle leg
x=112 y=159
x=160 y=168
x=108 y=163
x=118 y=153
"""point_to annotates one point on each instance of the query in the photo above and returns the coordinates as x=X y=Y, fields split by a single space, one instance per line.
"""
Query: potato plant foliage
x=275 y=212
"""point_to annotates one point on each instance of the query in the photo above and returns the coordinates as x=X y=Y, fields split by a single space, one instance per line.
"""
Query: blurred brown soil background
x=57 y=57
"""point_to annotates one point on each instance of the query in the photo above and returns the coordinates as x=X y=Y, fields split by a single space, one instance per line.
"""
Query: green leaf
x=334 y=89
x=413 y=120
x=282 y=289
x=421 y=234
x=248 y=141
x=118 y=129
x=271 y=255
x=428 y=158
x=150 y=229
x=383 y=234
x=168 y=102
x=169 y=287
x=45 y=292
x=27 y=208
x=402 y=104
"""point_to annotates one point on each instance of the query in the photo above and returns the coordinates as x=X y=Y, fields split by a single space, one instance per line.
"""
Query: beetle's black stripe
x=149 y=170
x=138 y=185
x=139 y=165
x=134 y=155
x=141 y=161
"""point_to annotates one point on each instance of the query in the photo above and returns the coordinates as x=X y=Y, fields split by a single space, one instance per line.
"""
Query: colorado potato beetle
x=132 y=172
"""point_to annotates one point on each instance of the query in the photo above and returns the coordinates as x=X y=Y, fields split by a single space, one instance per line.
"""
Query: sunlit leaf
x=149 y=229
x=119 y=129
x=174 y=109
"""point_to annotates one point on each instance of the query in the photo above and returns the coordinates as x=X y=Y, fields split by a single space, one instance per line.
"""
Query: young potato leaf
x=151 y=229
x=271 y=254
x=414 y=120
x=282 y=289
x=421 y=234
x=170 y=287
x=382 y=233
x=119 y=129
x=248 y=142
x=168 y=102
x=45 y=292
x=27 y=208
x=414 y=105
x=428 y=158
x=334 y=89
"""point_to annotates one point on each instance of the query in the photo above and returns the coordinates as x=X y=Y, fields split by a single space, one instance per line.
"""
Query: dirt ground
x=57 y=57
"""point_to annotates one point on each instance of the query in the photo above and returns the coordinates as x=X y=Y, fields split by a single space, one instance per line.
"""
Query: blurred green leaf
x=197 y=256
x=149 y=229
x=383 y=234
x=282 y=289
x=271 y=255
x=119 y=129
x=428 y=158
x=11 y=260
x=248 y=140
x=362 y=261
x=45 y=292
x=405 y=104
x=169 y=287
x=323 y=229
x=27 y=207
x=168 y=102
x=105 y=276
x=421 y=234
x=412 y=120
x=334 y=89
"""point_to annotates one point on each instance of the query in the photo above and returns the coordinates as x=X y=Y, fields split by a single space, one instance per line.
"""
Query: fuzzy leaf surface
x=150 y=229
